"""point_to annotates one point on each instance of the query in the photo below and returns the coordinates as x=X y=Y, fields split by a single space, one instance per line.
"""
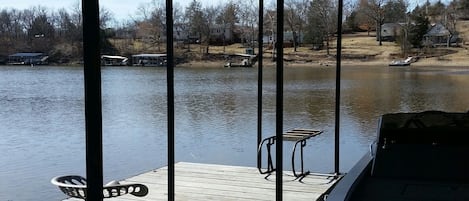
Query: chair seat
x=75 y=186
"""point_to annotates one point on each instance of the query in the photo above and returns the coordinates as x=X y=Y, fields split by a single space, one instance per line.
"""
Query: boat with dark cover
x=417 y=156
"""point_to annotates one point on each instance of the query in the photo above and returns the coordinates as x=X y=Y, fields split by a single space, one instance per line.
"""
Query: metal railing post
x=260 y=79
x=279 y=103
x=93 y=108
x=337 y=89
x=170 y=88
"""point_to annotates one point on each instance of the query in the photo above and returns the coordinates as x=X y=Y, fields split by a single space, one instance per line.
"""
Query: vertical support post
x=337 y=89
x=170 y=88
x=93 y=108
x=260 y=57
x=279 y=105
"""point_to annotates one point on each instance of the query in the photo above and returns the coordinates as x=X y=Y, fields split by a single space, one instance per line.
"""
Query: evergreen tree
x=195 y=17
x=322 y=23
x=463 y=7
x=394 y=11
x=106 y=46
x=351 y=22
x=418 y=30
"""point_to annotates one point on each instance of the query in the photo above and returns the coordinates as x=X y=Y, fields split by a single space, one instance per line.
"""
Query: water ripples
x=43 y=131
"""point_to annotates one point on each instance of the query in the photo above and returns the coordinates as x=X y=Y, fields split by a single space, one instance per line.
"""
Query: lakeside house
x=390 y=31
x=27 y=58
x=221 y=32
x=439 y=35
x=287 y=38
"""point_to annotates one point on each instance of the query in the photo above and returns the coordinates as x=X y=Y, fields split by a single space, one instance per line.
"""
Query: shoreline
x=425 y=62
x=434 y=62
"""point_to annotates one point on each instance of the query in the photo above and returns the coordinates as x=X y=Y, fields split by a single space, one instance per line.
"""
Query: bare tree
x=227 y=19
x=105 y=17
x=451 y=17
x=66 y=29
x=270 y=24
x=295 y=18
x=364 y=21
x=76 y=14
x=158 y=24
x=374 y=9
x=195 y=17
x=151 y=27
x=178 y=17
x=41 y=34
x=39 y=29
x=395 y=11
x=11 y=32
x=247 y=17
x=210 y=26
x=463 y=8
x=322 y=21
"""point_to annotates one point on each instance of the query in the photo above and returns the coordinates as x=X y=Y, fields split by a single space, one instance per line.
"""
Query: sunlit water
x=42 y=131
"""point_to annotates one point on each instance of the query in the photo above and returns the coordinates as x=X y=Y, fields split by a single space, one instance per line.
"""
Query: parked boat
x=417 y=156
x=405 y=62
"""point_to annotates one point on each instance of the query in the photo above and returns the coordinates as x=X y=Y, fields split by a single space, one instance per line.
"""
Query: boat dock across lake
x=196 y=181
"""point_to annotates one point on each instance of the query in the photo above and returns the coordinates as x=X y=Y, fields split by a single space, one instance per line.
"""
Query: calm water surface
x=42 y=131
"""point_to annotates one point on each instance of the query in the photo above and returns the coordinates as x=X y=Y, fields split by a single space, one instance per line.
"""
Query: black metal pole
x=260 y=78
x=279 y=105
x=170 y=86
x=337 y=88
x=93 y=108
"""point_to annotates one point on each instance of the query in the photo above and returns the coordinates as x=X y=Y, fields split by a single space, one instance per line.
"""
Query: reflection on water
x=42 y=117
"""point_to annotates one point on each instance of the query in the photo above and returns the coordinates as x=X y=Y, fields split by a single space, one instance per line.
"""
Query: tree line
x=371 y=14
x=39 y=29
x=59 y=33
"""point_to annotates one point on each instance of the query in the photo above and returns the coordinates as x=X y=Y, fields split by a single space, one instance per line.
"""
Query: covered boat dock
x=112 y=60
x=158 y=60
x=27 y=58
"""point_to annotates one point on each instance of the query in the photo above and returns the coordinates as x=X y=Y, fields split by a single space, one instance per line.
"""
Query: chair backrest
x=75 y=186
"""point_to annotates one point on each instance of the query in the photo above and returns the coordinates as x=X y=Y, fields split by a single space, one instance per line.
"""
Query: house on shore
x=439 y=35
x=220 y=33
x=390 y=31
x=27 y=58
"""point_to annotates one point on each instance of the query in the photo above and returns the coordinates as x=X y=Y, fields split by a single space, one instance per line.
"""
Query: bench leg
x=270 y=166
x=302 y=173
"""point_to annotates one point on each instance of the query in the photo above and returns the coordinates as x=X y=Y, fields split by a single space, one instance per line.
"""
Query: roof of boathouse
x=149 y=55
x=26 y=54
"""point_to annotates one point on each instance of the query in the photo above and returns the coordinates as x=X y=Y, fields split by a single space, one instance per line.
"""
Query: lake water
x=42 y=131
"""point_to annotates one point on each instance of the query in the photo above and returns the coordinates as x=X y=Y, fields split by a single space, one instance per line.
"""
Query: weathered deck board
x=196 y=181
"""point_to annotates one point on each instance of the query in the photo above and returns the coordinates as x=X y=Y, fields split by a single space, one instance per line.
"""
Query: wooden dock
x=195 y=181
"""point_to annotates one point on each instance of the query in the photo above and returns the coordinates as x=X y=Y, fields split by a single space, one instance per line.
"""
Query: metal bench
x=299 y=136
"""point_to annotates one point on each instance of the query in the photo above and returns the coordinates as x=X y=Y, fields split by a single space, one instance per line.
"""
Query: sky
x=121 y=9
